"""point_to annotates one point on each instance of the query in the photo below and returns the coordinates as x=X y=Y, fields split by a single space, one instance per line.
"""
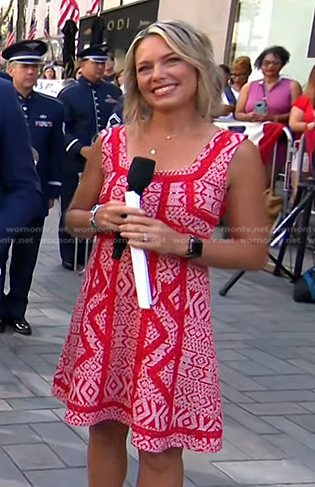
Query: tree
x=4 y=16
x=20 y=22
x=7 y=12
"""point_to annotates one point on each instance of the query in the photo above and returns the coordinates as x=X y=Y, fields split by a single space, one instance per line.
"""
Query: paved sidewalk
x=266 y=349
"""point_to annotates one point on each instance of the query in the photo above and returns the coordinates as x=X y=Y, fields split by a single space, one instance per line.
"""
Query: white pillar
x=211 y=16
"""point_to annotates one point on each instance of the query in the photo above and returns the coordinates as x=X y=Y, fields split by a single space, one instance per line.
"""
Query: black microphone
x=138 y=178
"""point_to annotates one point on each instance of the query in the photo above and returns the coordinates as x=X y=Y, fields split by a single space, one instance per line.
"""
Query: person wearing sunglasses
x=269 y=98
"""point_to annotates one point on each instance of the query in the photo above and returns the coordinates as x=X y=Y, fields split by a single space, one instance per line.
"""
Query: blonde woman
x=155 y=371
x=241 y=70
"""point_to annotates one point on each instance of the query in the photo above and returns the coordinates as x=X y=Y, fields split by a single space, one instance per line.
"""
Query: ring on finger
x=145 y=238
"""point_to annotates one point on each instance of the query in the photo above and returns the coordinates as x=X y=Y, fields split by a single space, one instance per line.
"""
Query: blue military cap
x=26 y=52
x=96 y=53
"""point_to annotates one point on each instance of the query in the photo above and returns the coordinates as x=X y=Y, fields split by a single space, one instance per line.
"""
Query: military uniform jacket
x=87 y=107
x=19 y=183
x=44 y=117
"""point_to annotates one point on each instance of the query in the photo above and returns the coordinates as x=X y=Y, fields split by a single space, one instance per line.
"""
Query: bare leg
x=107 y=454
x=161 y=469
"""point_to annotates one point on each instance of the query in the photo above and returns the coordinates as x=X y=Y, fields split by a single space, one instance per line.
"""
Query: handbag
x=304 y=287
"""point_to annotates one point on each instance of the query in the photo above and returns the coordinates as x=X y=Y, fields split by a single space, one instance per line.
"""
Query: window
x=263 y=23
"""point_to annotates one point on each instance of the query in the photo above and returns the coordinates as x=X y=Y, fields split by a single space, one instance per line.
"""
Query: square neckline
x=189 y=169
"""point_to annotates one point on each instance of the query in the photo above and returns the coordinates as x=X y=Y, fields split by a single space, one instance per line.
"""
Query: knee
x=160 y=462
x=109 y=432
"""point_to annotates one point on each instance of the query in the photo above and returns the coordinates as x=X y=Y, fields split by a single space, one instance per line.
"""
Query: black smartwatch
x=195 y=245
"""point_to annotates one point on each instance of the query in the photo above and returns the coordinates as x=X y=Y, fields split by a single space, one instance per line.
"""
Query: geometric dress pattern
x=154 y=370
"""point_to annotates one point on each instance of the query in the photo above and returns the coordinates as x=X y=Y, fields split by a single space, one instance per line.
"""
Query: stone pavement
x=266 y=350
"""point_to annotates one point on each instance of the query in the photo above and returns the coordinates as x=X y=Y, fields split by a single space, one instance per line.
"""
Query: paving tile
x=274 y=408
x=66 y=477
x=306 y=421
x=4 y=406
x=33 y=457
x=64 y=442
x=309 y=406
x=293 y=430
x=252 y=444
x=283 y=382
x=8 y=391
x=271 y=361
x=282 y=396
x=26 y=375
x=10 y=475
x=250 y=368
x=6 y=376
x=233 y=395
x=228 y=452
x=202 y=473
x=304 y=365
x=239 y=381
x=18 y=435
x=293 y=448
x=248 y=420
x=270 y=471
x=227 y=355
x=34 y=403
x=15 y=417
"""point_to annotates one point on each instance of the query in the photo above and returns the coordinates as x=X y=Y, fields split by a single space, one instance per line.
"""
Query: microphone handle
x=119 y=246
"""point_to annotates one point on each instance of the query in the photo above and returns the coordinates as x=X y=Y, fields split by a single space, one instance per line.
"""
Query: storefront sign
x=120 y=24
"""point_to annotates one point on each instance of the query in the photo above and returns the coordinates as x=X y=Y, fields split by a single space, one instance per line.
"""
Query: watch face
x=195 y=247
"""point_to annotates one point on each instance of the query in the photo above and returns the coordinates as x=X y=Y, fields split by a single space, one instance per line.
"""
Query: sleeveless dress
x=154 y=370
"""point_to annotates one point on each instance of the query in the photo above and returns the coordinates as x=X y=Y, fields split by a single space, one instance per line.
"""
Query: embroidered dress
x=154 y=370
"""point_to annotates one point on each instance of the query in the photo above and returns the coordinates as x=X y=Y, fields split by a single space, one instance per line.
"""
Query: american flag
x=69 y=9
x=47 y=26
x=95 y=7
x=10 y=33
x=33 y=28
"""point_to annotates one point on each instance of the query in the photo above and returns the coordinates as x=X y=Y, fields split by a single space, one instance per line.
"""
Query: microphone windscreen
x=140 y=174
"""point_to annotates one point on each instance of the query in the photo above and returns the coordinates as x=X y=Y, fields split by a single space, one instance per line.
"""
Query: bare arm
x=86 y=195
x=296 y=122
x=109 y=216
x=296 y=91
x=241 y=104
x=247 y=248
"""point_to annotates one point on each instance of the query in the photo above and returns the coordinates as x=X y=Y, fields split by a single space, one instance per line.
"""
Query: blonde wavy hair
x=194 y=47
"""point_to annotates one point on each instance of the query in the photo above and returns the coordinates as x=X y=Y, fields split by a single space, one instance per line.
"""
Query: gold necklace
x=167 y=137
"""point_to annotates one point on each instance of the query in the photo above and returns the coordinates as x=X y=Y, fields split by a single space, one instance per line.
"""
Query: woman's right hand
x=111 y=215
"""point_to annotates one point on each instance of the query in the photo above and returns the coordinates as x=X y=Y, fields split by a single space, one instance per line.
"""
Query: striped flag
x=69 y=9
x=10 y=33
x=95 y=7
x=33 y=28
x=47 y=26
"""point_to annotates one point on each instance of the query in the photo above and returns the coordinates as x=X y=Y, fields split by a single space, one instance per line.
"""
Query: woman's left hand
x=147 y=233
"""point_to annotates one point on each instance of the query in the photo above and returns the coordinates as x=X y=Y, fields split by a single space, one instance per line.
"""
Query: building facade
x=235 y=26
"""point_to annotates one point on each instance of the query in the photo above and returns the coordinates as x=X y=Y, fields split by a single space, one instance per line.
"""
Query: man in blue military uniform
x=20 y=194
x=44 y=119
x=87 y=105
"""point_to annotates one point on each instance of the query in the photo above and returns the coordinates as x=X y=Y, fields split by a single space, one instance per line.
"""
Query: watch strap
x=93 y=214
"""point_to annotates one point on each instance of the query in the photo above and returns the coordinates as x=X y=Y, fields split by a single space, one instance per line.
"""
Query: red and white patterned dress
x=154 y=370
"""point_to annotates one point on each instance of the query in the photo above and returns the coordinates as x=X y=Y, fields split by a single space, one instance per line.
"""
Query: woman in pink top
x=269 y=99
x=272 y=92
